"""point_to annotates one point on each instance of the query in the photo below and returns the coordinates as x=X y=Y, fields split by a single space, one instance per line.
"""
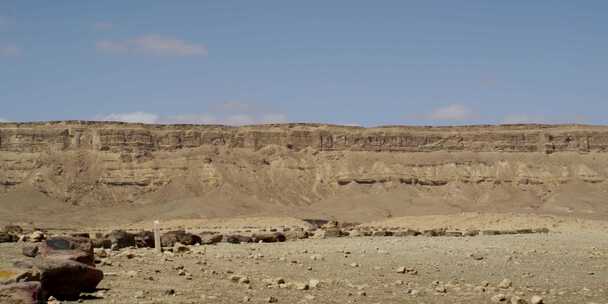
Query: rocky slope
x=303 y=170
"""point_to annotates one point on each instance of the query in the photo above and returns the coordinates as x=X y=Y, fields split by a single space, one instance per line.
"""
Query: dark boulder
x=70 y=248
x=237 y=239
x=13 y=229
x=471 y=233
x=541 y=230
x=22 y=293
x=121 y=239
x=30 y=250
x=434 y=232
x=144 y=239
x=209 y=239
x=6 y=237
x=269 y=237
x=81 y=235
x=453 y=233
x=101 y=243
x=490 y=232
x=179 y=236
x=66 y=279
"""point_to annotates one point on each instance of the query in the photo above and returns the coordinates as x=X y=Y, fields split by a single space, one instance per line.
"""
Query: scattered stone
x=498 y=298
x=30 y=250
x=536 y=300
x=314 y=283
x=301 y=286
x=517 y=300
x=169 y=292
x=37 y=236
x=505 y=284
x=180 y=248
x=272 y=300
x=476 y=256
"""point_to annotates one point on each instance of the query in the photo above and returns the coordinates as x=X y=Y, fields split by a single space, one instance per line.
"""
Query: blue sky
x=347 y=62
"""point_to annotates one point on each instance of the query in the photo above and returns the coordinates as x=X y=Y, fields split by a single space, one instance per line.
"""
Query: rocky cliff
x=323 y=169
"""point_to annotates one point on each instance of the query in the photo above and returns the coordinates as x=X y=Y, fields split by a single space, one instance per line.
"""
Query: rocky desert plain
x=303 y=213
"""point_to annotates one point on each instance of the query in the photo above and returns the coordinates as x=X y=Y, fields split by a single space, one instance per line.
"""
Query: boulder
x=208 y=239
x=101 y=243
x=13 y=229
x=381 y=233
x=453 y=233
x=66 y=279
x=471 y=233
x=237 y=239
x=85 y=235
x=70 y=248
x=296 y=234
x=170 y=238
x=144 y=239
x=30 y=250
x=22 y=293
x=37 y=236
x=121 y=239
x=6 y=237
x=269 y=237
x=490 y=232
x=434 y=232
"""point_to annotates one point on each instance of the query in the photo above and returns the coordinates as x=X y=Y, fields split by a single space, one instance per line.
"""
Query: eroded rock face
x=108 y=164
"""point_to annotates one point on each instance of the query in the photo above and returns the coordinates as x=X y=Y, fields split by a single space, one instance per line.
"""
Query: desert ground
x=565 y=265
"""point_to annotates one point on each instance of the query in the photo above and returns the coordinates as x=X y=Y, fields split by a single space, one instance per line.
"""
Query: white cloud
x=9 y=50
x=139 y=117
x=103 y=26
x=153 y=45
x=453 y=112
x=4 y=120
x=231 y=113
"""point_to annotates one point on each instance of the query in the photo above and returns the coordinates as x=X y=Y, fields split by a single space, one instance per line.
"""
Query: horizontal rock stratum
x=125 y=137
x=300 y=170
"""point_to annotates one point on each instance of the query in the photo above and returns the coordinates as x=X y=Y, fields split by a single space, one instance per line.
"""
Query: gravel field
x=558 y=267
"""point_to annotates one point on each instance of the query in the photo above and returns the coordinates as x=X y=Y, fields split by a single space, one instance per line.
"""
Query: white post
x=157 y=244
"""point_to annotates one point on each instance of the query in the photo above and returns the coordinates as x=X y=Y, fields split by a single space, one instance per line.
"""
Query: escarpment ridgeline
x=124 y=137
x=345 y=172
